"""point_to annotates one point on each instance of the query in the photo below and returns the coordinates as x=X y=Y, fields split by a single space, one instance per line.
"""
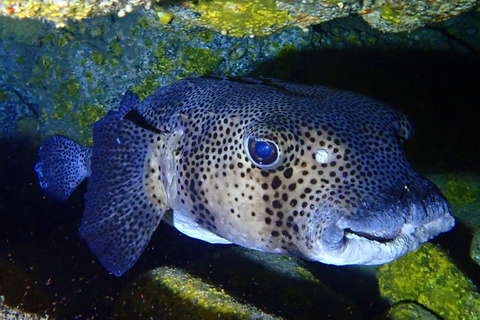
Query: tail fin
x=62 y=167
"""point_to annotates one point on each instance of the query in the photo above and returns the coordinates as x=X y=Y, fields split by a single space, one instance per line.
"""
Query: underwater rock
x=69 y=78
x=475 y=247
x=8 y=313
x=429 y=278
x=234 y=283
x=278 y=283
x=401 y=15
x=62 y=11
x=410 y=311
x=170 y=293
x=18 y=288
x=462 y=190
x=252 y=18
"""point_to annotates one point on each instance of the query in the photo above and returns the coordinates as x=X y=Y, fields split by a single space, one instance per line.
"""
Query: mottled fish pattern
x=283 y=168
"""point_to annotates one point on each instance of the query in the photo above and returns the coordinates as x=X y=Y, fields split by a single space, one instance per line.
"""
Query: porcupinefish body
x=283 y=168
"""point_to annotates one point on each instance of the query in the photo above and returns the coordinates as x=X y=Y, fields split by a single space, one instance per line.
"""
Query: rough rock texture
x=429 y=278
x=244 y=282
x=410 y=311
x=242 y=17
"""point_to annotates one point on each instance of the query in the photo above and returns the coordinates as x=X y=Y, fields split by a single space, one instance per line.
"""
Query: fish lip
x=398 y=217
x=358 y=248
x=382 y=237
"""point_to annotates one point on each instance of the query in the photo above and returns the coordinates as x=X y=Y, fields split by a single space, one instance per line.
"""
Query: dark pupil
x=263 y=150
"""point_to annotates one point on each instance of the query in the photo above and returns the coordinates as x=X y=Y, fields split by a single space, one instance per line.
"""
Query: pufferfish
x=283 y=168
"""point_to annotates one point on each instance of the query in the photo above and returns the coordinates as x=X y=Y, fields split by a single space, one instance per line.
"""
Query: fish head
x=330 y=184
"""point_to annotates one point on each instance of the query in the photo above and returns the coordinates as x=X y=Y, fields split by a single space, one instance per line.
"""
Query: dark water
x=50 y=268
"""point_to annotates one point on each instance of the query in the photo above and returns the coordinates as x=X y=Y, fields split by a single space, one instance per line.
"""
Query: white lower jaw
x=363 y=251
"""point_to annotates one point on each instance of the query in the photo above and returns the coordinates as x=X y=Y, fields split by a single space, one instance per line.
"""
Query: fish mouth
x=375 y=248
x=382 y=237
x=378 y=233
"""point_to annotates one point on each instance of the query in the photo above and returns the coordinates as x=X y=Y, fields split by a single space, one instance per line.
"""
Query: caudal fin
x=62 y=167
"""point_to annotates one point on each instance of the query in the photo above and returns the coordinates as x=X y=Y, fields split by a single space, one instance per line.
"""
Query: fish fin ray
x=124 y=203
x=129 y=102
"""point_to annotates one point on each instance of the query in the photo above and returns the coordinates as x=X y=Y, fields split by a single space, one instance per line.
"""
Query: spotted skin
x=341 y=192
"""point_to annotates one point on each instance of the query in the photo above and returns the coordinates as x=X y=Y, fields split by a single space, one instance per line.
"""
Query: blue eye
x=263 y=149
x=263 y=154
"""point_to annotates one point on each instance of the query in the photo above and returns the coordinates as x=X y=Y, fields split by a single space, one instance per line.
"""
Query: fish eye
x=263 y=154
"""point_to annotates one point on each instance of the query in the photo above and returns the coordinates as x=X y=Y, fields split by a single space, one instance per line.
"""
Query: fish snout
x=423 y=203
x=383 y=227
x=383 y=217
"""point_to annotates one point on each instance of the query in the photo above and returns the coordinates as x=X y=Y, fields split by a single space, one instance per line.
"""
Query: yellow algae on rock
x=242 y=17
x=169 y=293
x=430 y=279
x=459 y=192
x=390 y=14
x=61 y=11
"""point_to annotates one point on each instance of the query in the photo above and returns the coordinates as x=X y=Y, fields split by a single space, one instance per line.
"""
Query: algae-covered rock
x=170 y=293
x=9 y=313
x=18 y=288
x=61 y=11
x=462 y=190
x=241 y=17
x=475 y=248
x=429 y=278
x=279 y=284
x=252 y=17
x=236 y=283
x=410 y=311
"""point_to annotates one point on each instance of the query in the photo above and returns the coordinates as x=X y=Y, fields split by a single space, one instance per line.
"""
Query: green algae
x=143 y=24
x=459 y=192
x=21 y=59
x=115 y=49
x=3 y=95
x=148 y=85
x=282 y=65
x=429 y=278
x=390 y=14
x=62 y=109
x=63 y=40
x=187 y=61
x=88 y=75
x=199 y=61
x=112 y=63
x=242 y=17
x=40 y=71
x=98 y=57
x=168 y=293
x=84 y=120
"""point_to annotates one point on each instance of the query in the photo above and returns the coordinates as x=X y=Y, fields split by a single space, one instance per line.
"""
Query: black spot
x=277 y=204
x=268 y=220
x=276 y=183
x=288 y=173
